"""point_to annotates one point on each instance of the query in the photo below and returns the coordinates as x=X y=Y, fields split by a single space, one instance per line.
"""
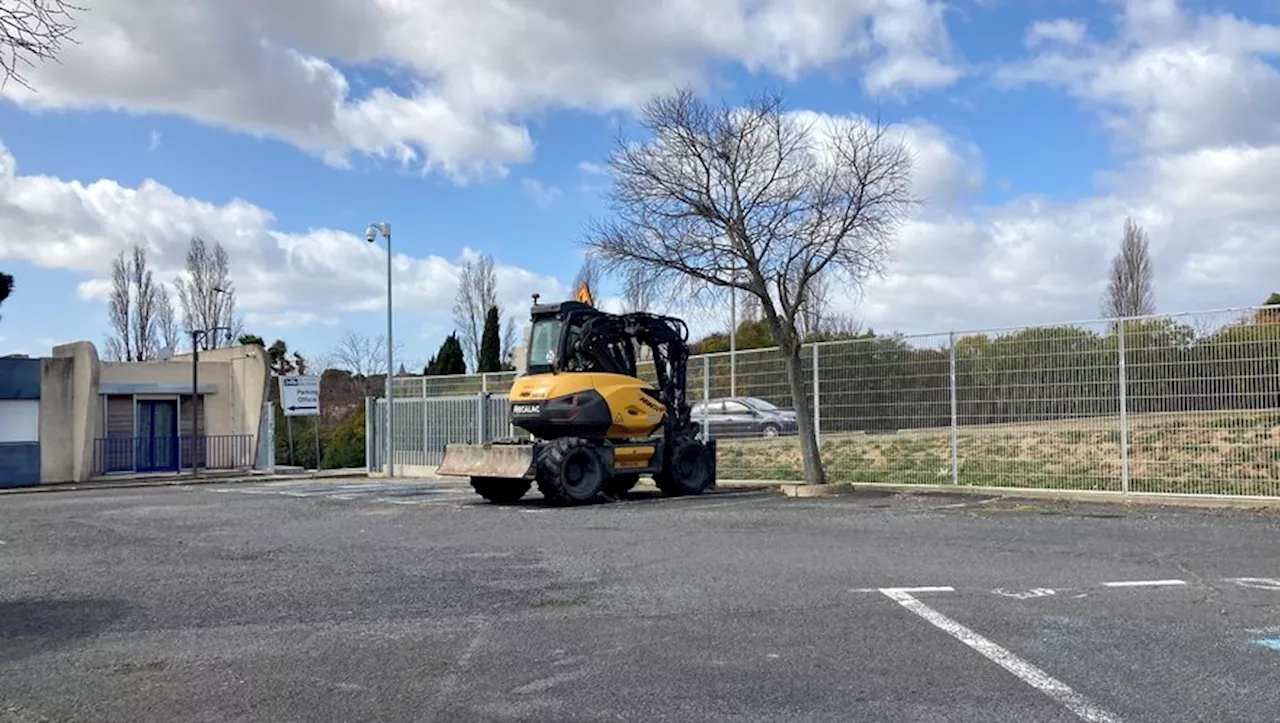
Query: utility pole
x=197 y=336
x=371 y=235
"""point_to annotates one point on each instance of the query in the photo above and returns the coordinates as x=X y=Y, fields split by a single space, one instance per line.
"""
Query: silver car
x=743 y=417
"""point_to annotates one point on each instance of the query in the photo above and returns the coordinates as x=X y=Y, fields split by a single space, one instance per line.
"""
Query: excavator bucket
x=487 y=460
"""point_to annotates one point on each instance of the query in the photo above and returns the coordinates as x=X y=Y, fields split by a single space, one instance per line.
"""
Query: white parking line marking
x=1028 y=673
x=1144 y=583
x=887 y=590
x=1257 y=583
x=1024 y=594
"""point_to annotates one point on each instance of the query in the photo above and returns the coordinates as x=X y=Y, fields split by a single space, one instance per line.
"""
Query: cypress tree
x=491 y=343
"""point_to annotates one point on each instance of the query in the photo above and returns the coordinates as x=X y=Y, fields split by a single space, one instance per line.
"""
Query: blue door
x=157 y=435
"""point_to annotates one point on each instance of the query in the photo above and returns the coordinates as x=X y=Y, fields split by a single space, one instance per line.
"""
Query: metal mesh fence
x=418 y=387
x=1186 y=403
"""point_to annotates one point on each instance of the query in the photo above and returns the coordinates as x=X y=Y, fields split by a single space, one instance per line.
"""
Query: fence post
x=817 y=400
x=426 y=433
x=424 y=387
x=370 y=444
x=1124 y=412
x=484 y=382
x=733 y=372
x=955 y=414
x=706 y=396
x=482 y=403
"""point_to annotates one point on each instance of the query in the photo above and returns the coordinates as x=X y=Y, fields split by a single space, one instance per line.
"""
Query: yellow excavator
x=595 y=427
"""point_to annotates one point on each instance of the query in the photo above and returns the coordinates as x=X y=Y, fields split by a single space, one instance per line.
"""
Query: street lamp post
x=738 y=277
x=197 y=336
x=371 y=235
x=733 y=340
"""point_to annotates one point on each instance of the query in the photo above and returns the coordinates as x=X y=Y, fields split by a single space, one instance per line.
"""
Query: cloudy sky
x=281 y=128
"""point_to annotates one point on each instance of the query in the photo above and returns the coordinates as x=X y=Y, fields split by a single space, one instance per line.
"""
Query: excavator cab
x=595 y=427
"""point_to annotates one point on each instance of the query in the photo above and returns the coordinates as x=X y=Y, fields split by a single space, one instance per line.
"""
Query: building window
x=189 y=412
x=20 y=420
x=119 y=416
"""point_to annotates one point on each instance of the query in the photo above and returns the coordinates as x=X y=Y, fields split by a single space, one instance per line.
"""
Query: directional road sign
x=300 y=396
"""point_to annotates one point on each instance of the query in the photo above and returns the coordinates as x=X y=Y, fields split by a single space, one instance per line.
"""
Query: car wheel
x=771 y=430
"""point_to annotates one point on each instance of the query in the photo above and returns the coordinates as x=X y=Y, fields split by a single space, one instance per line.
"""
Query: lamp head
x=371 y=233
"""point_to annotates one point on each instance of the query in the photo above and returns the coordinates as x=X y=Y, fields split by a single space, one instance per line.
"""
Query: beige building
x=106 y=418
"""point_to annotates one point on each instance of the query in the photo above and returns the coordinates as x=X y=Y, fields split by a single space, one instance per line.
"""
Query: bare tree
x=637 y=290
x=1131 y=288
x=815 y=307
x=30 y=31
x=477 y=291
x=132 y=308
x=363 y=356
x=166 y=318
x=749 y=309
x=836 y=327
x=588 y=274
x=360 y=354
x=758 y=199
x=207 y=294
x=119 y=311
x=144 y=304
x=509 y=341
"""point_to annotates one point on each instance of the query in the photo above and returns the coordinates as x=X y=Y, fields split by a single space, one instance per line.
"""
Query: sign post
x=300 y=397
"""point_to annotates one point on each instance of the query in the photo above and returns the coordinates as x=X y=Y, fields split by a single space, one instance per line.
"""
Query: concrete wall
x=247 y=373
x=57 y=415
x=70 y=412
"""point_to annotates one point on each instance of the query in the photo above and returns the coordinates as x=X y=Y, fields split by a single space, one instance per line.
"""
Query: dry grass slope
x=1231 y=453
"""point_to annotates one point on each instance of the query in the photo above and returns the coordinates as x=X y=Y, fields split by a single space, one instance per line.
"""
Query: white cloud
x=1062 y=30
x=542 y=194
x=1170 y=82
x=1034 y=261
x=919 y=50
x=154 y=143
x=945 y=167
x=1196 y=98
x=1201 y=183
x=466 y=74
x=287 y=319
x=284 y=279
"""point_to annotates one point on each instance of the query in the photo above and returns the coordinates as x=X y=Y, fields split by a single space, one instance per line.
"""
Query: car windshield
x=543 y=342
x=761 y=404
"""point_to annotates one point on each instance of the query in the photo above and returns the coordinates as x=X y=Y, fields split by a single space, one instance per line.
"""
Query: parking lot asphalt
x=345 y=600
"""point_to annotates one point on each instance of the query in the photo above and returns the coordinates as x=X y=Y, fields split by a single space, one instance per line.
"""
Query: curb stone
x=1239 y=502
x=185 y=481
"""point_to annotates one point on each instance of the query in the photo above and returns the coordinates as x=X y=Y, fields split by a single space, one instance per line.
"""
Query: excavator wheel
x=688 y=470
x=500 y=490
x=620 y=484
x=570 y=471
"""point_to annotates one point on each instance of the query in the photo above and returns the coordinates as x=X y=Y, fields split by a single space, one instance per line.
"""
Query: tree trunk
x=810 y=454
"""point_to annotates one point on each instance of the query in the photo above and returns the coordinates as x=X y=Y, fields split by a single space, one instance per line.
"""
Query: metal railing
x=1183 y=403
x=116 y=455
x=425 y=424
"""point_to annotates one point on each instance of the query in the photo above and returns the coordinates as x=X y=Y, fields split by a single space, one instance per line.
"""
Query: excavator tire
x=500 y=490
x=570 y=471
x=620 y=484
x=688 y=470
